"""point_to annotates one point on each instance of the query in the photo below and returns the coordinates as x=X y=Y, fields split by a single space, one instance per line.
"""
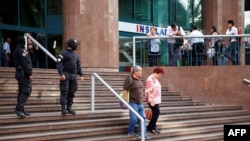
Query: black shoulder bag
x=178 y=41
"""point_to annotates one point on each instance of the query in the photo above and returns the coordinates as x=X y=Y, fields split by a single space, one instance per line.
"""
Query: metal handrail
x=40 y=46
x=95 y=75
x=175 y=37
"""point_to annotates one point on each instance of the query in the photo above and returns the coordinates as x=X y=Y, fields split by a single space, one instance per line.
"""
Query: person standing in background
x=198 y=54
x=41 y=54
x=234 y=45
x=214 y=44
x=153 y=98
x=173 y=47
x=6 y=52
x=223 y=53
x=154 y=49
x=33 y=50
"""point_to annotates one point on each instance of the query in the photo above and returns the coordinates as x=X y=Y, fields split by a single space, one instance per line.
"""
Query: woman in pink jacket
x=153 y=97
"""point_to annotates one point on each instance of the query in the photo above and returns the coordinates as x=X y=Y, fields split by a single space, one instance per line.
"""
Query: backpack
x=178 y=41
x=238 y=38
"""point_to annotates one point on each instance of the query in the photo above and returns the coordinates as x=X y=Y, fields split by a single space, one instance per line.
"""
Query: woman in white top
x=154 y=48
x=214 y=45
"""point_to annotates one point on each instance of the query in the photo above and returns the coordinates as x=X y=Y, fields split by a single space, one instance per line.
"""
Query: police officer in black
x=68 y=66
x=23 y=76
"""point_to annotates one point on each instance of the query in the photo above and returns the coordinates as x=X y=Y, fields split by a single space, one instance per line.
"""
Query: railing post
x=142 y=130
x=134 y=50
x=92 y=93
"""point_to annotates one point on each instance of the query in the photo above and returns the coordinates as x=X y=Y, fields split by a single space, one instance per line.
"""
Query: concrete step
x=83 y=98
x=202 y=115
x=54 y=116
x=79 y=123
x=79 y=106
x=45 y=93
x=190 y=133
x=85 y=134
x=204 y=122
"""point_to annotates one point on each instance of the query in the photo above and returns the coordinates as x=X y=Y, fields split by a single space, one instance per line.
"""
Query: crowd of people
x=37 y=56
x=192 y=51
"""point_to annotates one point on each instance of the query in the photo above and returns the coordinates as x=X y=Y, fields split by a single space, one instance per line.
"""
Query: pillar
x=94 y=23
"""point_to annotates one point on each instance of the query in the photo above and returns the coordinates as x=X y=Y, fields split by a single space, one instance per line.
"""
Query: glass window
x=143 y=10
x=8 y=12
x=160 y=12
x=32 y=13
x=188 y=12
x=54 y=47
x=247 y=22
x=182 y=14
x=54 y=7
x=135 y=10
x=126 y=9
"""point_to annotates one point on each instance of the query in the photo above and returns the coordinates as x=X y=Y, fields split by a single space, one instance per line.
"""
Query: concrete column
x=218 y=12
x=94 y=23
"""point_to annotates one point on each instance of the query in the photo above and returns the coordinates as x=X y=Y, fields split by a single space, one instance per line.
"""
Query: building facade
x=105 y=28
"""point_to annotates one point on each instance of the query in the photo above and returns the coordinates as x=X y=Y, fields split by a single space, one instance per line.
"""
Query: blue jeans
x=139 y=108
x=5 y=62
x=222 y=60
x=174 y=54
x=235 y=53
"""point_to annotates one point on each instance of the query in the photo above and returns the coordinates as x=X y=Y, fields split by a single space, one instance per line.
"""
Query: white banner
x=139 y=28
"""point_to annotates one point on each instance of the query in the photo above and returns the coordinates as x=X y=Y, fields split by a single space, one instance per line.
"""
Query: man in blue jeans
x=135 y=99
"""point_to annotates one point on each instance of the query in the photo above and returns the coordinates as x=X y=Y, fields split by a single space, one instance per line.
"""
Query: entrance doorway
x=52 y=42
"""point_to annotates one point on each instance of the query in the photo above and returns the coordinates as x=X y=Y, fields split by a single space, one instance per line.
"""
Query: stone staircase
x=181 y=119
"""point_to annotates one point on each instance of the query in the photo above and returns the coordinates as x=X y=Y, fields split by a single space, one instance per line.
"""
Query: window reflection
x=188 y=12
x=135 y=9
x=8 y=12
x=247 y=22
x=54 y=47
x=54 y=7
x=143 y=10
x=32 y=13
x=160 y=12
x=126 y=9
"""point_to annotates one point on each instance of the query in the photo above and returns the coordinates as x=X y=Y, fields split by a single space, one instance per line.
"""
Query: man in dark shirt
x=68 y=66
x=135 y=99
x=23 y=75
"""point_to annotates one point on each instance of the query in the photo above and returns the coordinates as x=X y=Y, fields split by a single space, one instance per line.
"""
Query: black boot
x=70 y=110
x=19 y=113
x=64 y=111
x=26 y=113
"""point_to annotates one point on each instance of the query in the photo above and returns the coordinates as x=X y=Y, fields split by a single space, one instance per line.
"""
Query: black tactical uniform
x=23 y=75
x=69 y=65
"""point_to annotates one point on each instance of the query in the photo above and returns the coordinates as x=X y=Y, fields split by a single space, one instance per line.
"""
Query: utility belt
x=20 y=69
x=70 y=74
